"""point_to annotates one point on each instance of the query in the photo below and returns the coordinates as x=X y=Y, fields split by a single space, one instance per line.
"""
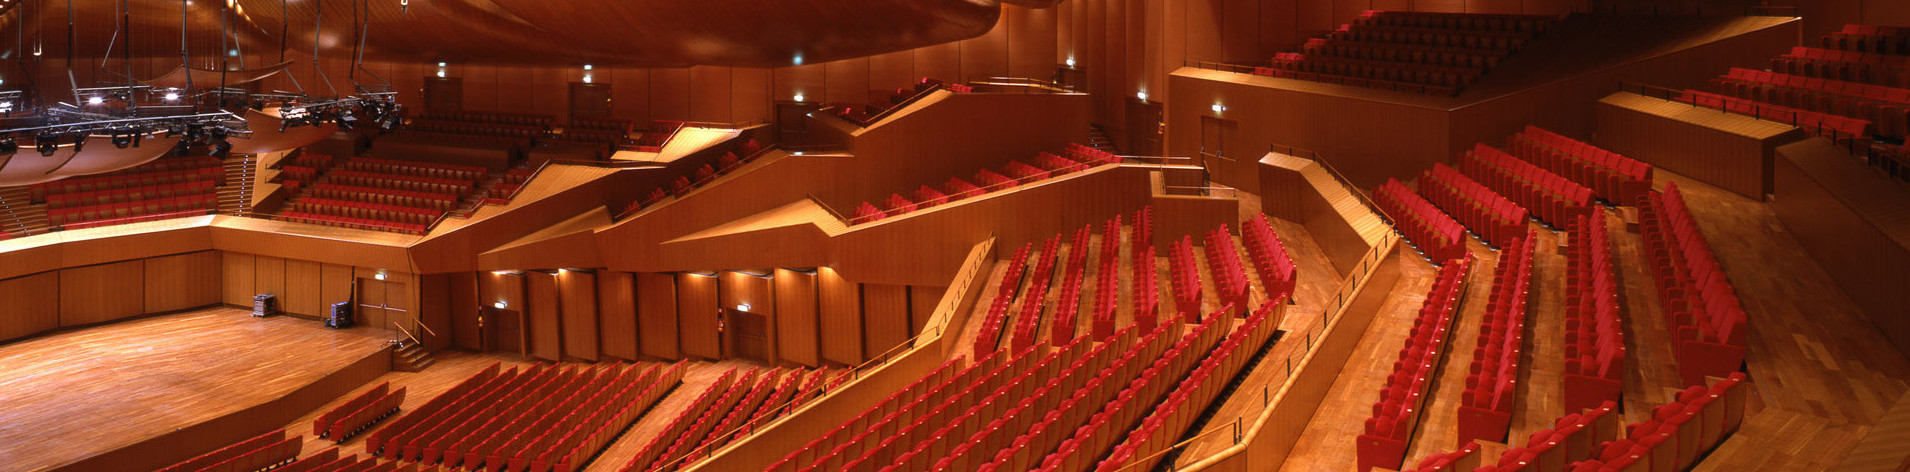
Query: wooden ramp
x=1887 y=446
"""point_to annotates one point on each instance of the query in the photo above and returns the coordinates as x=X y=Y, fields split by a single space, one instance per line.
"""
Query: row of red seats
x=1702 y=311
x=367 y=224
x=1385 y=435
x=435 y=201
x=1457 y=21
x=476 y=381
x=1492 y=379
x=1183 y=276
x=902 y=405
x=605 y=123
x=323 y=461
x=1107 y=282
x=1679 y=432
x=1143 y=286
x=1503 y=41
x=1886 y=108
x=1570 y=439
x=1845 y=131
x=1224 y=268
x=39 y=192
x=492 y=117
x=1615 y=178
x=1869 y=68
x=988 y=336
x=1046 y=165
x=1443 y=77
x=323 y=424
x=1594 y=334
x=570 y=429
x=266 y=450
x=312 y=159
x=1063 y=418
x=200 y=203
x=1170 y=420
x=400 y=182
x=745 y=395
x=1028 y=314
x=1552 y=199
x=1126 y=409
x=392 y=213
x=1473 y=59
x=1061 y=327
x=130 y=194
x=1869 y=39
x=299 y=173
x=421 y=169
x=354 y=421
x=432 y=441
x=1492 y=217
x=513 y=132
x=507 y=187
x=1464 y=459
x=1270 y=259
x=1434 y=233
x=701 y=173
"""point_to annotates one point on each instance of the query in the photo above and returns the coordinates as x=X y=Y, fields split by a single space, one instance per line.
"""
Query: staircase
x=236 y=195
x=1098 y=139
x=18 y=214
x=410 y=357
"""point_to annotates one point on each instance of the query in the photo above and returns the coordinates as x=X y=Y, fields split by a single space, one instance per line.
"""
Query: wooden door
x=1144 y=122
x=748 y=335
x=443 y=93
x=589 y=99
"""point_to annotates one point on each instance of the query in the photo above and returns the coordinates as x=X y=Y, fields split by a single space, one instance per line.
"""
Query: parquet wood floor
x=76 y=394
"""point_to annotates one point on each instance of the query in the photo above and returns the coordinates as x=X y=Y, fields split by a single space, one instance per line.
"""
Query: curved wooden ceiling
x=643 y=33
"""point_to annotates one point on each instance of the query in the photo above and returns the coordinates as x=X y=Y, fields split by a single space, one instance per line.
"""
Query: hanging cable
x=318 y=27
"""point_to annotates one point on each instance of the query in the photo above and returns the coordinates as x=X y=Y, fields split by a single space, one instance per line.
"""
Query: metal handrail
x=745 y=160
x=893 y=108
x=1344 y=182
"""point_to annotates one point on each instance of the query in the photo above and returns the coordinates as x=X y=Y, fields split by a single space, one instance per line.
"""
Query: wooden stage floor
x=76 y=394
x=1823 y=374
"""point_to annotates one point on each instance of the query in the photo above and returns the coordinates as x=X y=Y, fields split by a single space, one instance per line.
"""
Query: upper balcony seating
x=158 y=172
x=864 y=115
x=1845 y=131
x=1434 y=233
x=1552 y=199
x=1435 y=53
x=1870 y=39
x=1464 y=459
x=1886 y=108
x=703 y=169
x=491 y=117
x=1678 y=433
x=263 y=451
x=1045 y=165
x=1571 y=438
x=1594 y=334
x=1492 y=380
x=1702 y=312
x=1617 y=179
x=1869 y=68
x=435 y=201
x=76 y=217
x=420 y=169
x=1395 y=417
x=1492 y=217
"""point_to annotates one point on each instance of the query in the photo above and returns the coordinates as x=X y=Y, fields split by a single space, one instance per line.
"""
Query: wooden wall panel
x=335 y=283
x=696 y=308
x=840 y=302
x=750 y=95
x=709 y=93
x=101 y=293
x=238 y=278
x=885 y=317
x=1240 y=35
x=617 y=314
x=183 y=281
x=922 y=300
x=848 y=80
x=506 y=325
x=514 y=87
x=434 y=309
x=465 y=306
x=302 y=287
x=630 y=94
x=796 y=335
x=1031 y=41
x=669 y=93
x=579 y=292
x=1201 y=20
x=480 y=86
x=25 y=308
x=943 y=61
x=809 y=80
x=890 y=71
x=544 y=317
x=656 y=315
x=269 y=277
x=987 y=55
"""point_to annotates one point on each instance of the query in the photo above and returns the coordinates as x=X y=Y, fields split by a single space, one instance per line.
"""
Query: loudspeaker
x=341 y=316
x=264 y=305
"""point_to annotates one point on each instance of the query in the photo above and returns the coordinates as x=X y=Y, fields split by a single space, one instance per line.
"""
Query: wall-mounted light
x=798 y=97
x=798 y=59
x=742 y=306
x=440 y=65
x=586 y=78
x=500 y=305
x=1218 y=108
x=440 y=73
x=506 y=272
x=1070 y=61
x=1141 y=95
x=380 y=275
x=586 y=66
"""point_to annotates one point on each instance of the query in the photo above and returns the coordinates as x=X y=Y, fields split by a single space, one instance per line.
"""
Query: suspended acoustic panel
x=99 y=155
x=182 y=76
x=266 y=136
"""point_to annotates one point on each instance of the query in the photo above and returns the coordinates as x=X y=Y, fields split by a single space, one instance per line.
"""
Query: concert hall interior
x=954 y=235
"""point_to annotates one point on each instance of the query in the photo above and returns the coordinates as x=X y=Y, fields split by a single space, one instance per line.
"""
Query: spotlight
x=79 y=141
x=47 y=143
x=7 y=146
x=172 y=96
x=95 y=100
x=122 y=140
x=346 y=121
x=1142 y=95
x=220 y=147
x=1070 y=61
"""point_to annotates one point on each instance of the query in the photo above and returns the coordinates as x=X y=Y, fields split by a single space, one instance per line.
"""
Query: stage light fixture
x=95 y=100
x=346 y=121
x=122 y=140
x=47 y=143
x=172 y=96
x=7 y=146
